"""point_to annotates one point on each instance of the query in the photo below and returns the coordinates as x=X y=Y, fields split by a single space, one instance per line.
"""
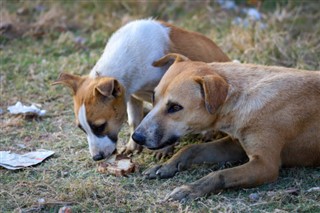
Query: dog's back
x=129 y=54
x=277 y=99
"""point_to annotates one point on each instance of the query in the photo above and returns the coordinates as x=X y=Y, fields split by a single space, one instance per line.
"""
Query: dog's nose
x=99 y=156
x=139 y=138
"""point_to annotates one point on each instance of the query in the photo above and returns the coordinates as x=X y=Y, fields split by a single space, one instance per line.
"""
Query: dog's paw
x=161 y=171
x=164 y=153
x=184 y=193
x=131 y=148
x=152 y=172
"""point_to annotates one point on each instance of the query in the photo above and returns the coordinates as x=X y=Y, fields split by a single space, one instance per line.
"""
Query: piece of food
x=117 y=165
x=65 y=209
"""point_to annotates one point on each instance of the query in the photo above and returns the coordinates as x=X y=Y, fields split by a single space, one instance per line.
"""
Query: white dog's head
x=100 y=110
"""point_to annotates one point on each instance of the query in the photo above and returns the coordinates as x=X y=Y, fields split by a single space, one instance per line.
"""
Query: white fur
x=130 y=52
x=96 y=144
x=128 y=57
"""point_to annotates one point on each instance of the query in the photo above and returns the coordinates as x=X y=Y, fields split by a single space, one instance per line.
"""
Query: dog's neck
x=240 y=104
x=249 y=91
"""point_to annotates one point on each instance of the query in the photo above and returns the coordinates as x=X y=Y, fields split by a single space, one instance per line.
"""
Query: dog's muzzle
x=98 y=157
x=172 y=140
x=139 y=138
x=102 y=156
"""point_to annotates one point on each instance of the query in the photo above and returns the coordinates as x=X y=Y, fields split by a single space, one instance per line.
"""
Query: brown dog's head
x=99 y=107
x=185 y=101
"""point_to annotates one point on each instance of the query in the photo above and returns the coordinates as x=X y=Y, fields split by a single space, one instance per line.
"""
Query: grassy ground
x=44 y=38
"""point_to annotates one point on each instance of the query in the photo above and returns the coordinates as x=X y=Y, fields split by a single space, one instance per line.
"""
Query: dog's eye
x=98 y=129
x=174 y=108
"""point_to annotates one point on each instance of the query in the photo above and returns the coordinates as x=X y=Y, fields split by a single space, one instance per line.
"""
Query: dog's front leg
x=164 y=152
x=221 y=150
x=261 y=168
x=135 y=116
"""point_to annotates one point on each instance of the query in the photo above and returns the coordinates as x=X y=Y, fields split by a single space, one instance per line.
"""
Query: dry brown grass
x=47 y=37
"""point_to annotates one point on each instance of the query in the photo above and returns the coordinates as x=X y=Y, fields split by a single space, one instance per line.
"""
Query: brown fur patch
x=194 y=45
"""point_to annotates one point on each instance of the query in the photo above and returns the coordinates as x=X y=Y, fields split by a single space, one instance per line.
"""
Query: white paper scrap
x=15 y=161
x=19 y=108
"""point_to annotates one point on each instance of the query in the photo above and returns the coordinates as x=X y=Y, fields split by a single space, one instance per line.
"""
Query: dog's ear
x=108 y=87
x=71 y=81
x=214 y=90
x=170 y=59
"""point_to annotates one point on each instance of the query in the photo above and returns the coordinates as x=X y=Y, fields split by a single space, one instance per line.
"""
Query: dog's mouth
x=169 y=142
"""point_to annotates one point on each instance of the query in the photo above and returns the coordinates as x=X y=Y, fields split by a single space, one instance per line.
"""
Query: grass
x=48 y=37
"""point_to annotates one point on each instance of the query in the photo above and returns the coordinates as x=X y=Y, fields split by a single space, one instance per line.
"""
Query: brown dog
x=272 y=113
x=124 y=77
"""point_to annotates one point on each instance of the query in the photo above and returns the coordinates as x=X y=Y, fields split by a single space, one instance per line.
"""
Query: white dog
x=124 y=77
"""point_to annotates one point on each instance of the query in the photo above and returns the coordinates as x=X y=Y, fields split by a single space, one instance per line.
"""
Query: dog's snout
x=139 y=138
x=99 y=156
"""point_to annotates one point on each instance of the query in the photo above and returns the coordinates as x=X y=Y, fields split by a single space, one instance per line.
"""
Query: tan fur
x=186 y=42
x=271 y=113
x=97 y=103
x=97 y=95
